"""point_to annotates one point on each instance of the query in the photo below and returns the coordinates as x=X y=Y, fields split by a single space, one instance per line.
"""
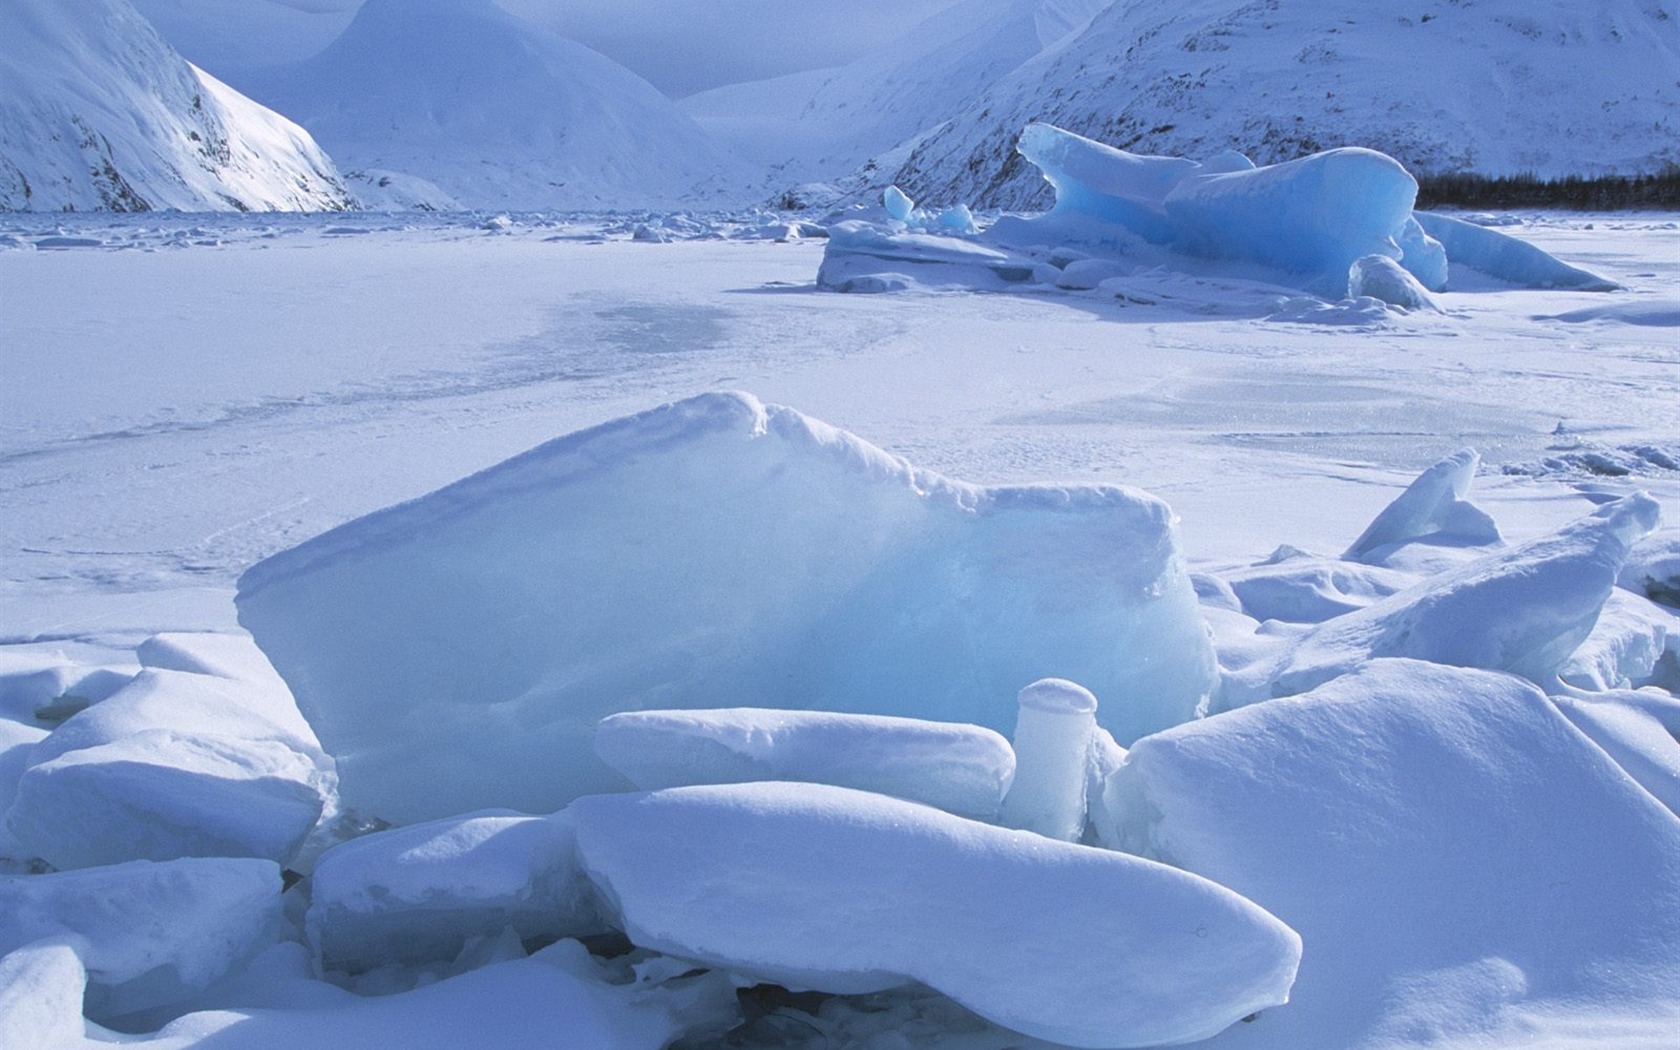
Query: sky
x=681 y=46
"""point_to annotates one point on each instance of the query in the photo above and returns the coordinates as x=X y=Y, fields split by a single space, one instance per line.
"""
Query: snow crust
x=98 y=112
x=1450 y=849
x=963 y=769
x=455 y=653
x=824 y=887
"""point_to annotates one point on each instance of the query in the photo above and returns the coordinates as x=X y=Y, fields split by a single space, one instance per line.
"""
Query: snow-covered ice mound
x=963 y=769
x=827 y=888
x=202 y=754
x=98 y=112
x=1640 y=730
x=557 y=997
x=149 y=934
x=455 y=653
x=1454 y=854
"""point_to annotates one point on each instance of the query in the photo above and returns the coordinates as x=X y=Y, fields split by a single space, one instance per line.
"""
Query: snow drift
x=454 y=653
x=98 y=112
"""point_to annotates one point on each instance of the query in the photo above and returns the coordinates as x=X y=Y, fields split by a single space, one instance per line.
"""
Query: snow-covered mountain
x=1552 y=87
x=824 y=123
x=97 y=111
x=498 y=112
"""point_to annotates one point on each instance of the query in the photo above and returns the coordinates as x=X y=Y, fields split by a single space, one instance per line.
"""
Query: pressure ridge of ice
x=454 y=653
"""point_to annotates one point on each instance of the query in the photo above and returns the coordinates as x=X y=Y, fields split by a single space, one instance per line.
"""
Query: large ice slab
x=419 y=894
x=1523 y=610
x=828 y=888
x=1453 y=853
x=178 y=763
x=456 y=652
x=963 y=769
x=149 y=934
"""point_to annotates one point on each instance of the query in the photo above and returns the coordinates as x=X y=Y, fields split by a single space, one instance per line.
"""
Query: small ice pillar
x=1053 y=730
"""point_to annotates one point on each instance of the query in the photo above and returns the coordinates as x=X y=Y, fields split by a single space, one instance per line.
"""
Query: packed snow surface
x=456 y=652
x=1454 y=854
x=98 y=112
x=963 y=769
x=828 y=888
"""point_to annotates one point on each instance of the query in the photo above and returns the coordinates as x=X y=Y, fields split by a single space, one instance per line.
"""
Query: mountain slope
x=1552 y=87
x=822 y=124
x=97 y=111
x=498 y=112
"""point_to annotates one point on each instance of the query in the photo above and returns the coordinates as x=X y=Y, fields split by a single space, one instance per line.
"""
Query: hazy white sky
x=682 y=46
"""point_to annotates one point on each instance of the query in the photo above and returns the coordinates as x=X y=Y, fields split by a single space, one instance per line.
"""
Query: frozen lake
x=180 y=397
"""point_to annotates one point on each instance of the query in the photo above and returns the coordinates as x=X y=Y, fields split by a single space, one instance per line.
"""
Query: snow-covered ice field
x=182 y=398
x=188 y=397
